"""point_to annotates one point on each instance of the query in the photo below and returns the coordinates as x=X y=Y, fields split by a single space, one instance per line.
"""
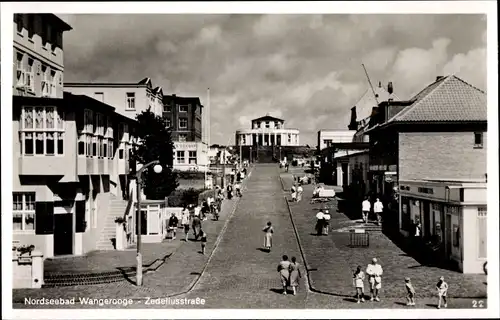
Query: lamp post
x=158 y=169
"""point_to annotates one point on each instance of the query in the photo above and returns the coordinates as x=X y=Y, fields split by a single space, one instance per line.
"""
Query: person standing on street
x=295 y=275
x=374 y=272
x=294 y=193
x=268 y=239
x=326 y=223
x=300 y=190
x=185 y=222
x=442 y=289
x=196 y=226
x=237 y=187
x=366 y=206
x=284 y=271
x=320 y=219
x=410 y=296
x=172 y=226
x=203 y=236
x=378 y=208
x=359 y=278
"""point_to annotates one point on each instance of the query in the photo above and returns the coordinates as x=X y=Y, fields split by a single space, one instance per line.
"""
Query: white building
x=327 y=137
x=267 y=131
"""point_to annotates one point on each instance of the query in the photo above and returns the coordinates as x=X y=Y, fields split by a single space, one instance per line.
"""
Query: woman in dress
x=359 y=278
x=294 y=275
x=284 y=271
x=268 y=240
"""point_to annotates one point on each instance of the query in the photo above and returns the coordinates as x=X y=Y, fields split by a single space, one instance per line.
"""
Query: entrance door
x=448 y=237
x=63 y=234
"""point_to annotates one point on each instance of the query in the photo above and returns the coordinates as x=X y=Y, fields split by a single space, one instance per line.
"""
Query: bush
x=179 y=198
x=188 y=175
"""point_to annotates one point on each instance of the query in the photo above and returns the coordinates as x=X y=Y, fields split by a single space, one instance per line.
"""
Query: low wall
x=27 y=270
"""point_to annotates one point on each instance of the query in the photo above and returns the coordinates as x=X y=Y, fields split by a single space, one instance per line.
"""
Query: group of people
x=297 y=192
x=374 y=272
x=366 y=208
x=323 y=222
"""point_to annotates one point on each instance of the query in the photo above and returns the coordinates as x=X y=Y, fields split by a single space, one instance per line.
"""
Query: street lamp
x=157 y=169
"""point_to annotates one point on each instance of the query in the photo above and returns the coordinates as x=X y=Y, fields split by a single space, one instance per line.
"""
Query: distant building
x=327 y=137
x=129 y=99
x=184 y=116
x=267 y=131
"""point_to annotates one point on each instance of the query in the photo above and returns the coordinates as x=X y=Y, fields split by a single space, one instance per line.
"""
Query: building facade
x=453 y=216
x=129 y=99
x=184 y=116
x=267 y=131
x=66 y=150
x=327 y=137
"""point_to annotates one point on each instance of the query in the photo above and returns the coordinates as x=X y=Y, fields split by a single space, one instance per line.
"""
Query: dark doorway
x=427 y=219
x=63 y=234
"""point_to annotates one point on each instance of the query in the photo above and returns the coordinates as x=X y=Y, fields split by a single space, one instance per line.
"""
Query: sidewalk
x=174 y=277
x=331 y=262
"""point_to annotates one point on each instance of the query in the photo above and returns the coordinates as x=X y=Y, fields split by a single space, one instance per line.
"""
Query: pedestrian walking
x=229 y=191
x=410 y=292
x=203 y=236
x=378 y=208
x=300 y=190
x=196 y=226
x=295 y=275
x=366 y=206
x=320 y=219
x=268 y=238
x=374 y=272
x=172 y=226
x=185 y=222
x=442 y=289
x=294 y=193
x=237 y=187
x=326 y=222
x=284 y=272
x=358 y=279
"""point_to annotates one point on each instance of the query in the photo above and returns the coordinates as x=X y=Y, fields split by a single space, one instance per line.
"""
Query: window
x=108 y=140
x=267 y=124
x=328 y=142
x=478 y=139
x=23 y=211
x=85 y=138
x=21 y=73
x=183 y=123
x=167 y=108
x=183 y=108
x=289 y=138
x=121 y=154
x=277 y=125
x=169 y=123
x=30 y=76
x=181 y=157
x=53 y=82
x=42 y=131
x=46 y=83
x=192 y=157
x=99 y=96
x=482 y=232
x=182 y=137
x=130 y=100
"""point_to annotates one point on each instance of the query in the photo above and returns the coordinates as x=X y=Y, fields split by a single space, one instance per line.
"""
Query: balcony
x=46 y=165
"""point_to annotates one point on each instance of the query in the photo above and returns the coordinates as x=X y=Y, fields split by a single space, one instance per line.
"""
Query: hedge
x=191 y=175
x=182 y=197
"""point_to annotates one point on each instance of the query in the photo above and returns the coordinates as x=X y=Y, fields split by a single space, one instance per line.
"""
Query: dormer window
x=267 y=124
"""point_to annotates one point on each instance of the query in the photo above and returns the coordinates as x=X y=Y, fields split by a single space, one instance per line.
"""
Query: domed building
x=267 y=140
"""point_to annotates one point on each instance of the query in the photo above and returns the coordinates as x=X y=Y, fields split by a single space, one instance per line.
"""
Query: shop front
x=155 y=215
x=451 y=219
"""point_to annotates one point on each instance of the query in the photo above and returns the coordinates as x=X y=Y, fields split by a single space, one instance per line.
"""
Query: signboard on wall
x=378 y=167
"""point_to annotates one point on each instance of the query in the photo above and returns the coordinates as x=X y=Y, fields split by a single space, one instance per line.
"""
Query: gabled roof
x=147 y=82
x=447 y=99
x=268 y=117
x=158 y=90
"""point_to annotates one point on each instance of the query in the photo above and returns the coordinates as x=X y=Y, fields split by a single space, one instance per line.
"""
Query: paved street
x=239 y=275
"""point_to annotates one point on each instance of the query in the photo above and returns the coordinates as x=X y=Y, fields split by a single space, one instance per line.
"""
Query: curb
x=308 y=269
x=195 y=281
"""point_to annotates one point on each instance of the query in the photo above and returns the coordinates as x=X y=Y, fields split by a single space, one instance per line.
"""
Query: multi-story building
x=66 y=164
x=436 y=140
x=327 y=137
x=184 y=116
x=267 y=131
x=129 y=99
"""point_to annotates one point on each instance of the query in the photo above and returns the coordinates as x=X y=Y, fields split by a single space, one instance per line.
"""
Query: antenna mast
x=374 y=94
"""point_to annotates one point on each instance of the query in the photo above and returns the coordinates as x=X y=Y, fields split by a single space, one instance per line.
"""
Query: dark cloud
x=304 y=68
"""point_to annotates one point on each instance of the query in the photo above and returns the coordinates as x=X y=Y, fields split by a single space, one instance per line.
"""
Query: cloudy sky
x=305 y=69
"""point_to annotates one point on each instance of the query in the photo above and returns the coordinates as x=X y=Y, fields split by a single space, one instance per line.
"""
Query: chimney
x=353 y=125
x=439 y=78
x=390 y=89
x=380 y=84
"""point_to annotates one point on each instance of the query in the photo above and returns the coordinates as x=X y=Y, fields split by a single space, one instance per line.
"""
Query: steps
x=117 y=208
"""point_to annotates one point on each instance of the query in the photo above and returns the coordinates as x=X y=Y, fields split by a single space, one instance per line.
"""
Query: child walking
x=410 y=296
x=359 y=277
x=203 y=235
x=442 y=288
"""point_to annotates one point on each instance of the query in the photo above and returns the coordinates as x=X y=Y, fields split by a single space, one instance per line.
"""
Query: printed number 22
x=477 y=304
